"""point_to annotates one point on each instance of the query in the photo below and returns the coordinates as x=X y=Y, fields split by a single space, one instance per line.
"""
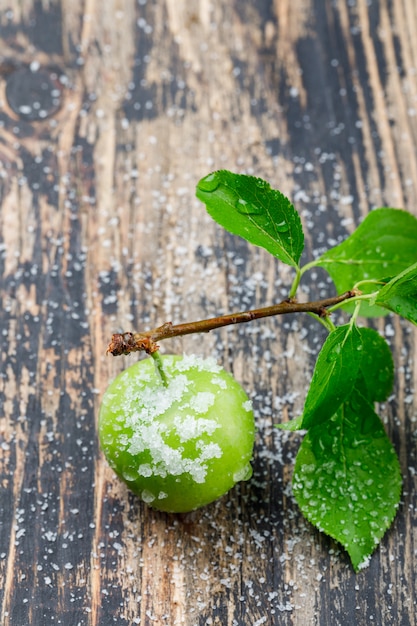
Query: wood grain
x=101 y=232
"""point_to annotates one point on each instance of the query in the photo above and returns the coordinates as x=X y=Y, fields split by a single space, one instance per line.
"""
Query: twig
x=125 y=343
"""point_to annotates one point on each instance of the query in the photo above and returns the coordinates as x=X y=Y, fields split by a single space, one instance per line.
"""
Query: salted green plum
x=178 y=446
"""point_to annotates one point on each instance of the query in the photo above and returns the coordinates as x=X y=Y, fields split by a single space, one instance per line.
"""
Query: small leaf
x=334 y=375
x=347 y=479
x=400 y=294
x=384 y=244
x=376 y=372
x=249 y=207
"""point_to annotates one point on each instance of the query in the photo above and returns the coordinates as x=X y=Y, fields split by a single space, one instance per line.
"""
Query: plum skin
x=178 y=447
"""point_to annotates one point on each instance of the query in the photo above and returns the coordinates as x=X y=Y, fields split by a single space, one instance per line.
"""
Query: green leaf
x=347 y=479
x=400 y=294
x=373 y=364
x=384 y=244
x=334 y=375
x=249 y=207
x=376 y=372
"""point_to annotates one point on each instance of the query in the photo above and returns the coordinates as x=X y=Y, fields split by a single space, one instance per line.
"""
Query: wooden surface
x=101 y=232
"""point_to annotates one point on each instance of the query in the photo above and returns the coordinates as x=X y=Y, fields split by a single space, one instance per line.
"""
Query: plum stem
x=157 y=359
x=125 y=343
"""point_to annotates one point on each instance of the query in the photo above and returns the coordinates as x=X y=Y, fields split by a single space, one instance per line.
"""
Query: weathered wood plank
x=100 y=231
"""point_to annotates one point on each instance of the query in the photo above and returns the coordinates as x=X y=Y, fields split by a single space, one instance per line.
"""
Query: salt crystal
x=202 y=401
x=147 y=496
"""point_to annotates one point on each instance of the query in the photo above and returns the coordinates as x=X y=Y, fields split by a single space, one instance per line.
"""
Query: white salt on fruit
x=179 y=446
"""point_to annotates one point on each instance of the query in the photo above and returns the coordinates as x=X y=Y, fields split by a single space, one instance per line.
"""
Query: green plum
x=181 y=445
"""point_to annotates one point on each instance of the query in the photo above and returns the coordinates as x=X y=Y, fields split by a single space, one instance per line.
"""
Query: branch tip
x=125 y=343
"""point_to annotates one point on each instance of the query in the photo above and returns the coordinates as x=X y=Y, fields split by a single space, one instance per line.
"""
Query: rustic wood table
x=110 y=112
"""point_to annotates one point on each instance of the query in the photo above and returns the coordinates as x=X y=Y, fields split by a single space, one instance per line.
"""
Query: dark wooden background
x=110 y=112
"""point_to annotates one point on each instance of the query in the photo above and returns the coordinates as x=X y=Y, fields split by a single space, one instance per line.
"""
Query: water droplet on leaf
x=246 y=208
x=262 y=184
x=334 y=353
x=209 y=183
x=282 y=227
